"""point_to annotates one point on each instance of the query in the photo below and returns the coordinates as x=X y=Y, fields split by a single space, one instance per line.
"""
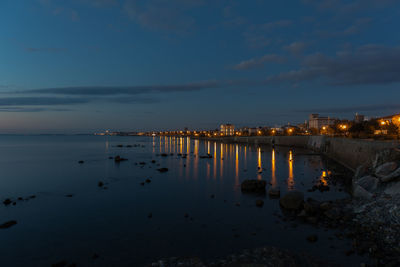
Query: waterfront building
x=227 y=129
x=317 y=122
x=358 y=118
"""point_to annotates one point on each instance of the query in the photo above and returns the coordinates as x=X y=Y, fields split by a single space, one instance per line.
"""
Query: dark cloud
x=127 y=90
x=172 y=15
x=348 y=7
x=352 y=109
x=296 y=48
x=259 y=62
x=24 y=109
x=369 y=64
x=40 y=101
x=357 y=27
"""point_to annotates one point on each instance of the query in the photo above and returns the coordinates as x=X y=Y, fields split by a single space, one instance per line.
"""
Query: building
x=227 y=129
x=358 y=118
x=317 y=122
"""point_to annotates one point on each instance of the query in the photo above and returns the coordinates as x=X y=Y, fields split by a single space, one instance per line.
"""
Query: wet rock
x=128 y=145
x=8 y=224
x=164 y=155
x=208 y=156
x=393 y=188
x=292 y=200
x=150 y=215
x=69 y=195
x=253 y=186
x=142 y=183
x=7 y=201
x=312 y=238
x=162 y=170
x=259 y=203
x=274 y=192
x=391 y=177
x=119 y=159
x=212 y=196
x=142 y=163
x=369 y=183
x=153 y=161
x=148 y=181
x=100 y=184
x=120 y=146
x=32 y=197
x=81 y=162
x=359 y=192
x=385 y=169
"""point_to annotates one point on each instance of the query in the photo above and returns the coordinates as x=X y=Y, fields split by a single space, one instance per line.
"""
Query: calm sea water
x=114 y=222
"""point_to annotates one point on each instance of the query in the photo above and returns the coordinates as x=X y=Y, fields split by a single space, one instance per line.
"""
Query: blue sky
x=88 y=65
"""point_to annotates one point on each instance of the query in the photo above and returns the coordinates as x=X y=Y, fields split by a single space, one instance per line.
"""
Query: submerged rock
x=259 y=203
x=8 y=224
x=162 y=170
x=253 y=186
x=119 y=159
x=292 y=200
x=7 y=201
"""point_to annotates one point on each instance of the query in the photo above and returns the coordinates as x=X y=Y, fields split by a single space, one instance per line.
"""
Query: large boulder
x=393 y=188
x=292 y=200
x=368 y=183
x=359 y=192
x=385 y=169
x=253 y=186
x=392 y=176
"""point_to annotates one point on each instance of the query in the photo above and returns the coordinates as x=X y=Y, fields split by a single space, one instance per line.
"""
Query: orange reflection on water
x=259 y=163
x=215 y=160
x=291 y=176
x=273 y=169
x=323 y=180
x=237 y=165
x=222 y=160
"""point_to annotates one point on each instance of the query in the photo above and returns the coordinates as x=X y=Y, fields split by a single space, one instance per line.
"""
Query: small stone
x=312 y=238
x=259 y=203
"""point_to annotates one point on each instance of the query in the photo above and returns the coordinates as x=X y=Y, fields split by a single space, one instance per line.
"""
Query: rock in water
x=259 y=203
x=162 y=169
x=8 y=224
x=292 y=200
x=253 y=186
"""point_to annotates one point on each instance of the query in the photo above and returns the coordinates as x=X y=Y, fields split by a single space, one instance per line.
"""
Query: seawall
x=348 y=152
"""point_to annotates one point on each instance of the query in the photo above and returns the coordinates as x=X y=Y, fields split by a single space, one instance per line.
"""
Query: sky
x=82 y=66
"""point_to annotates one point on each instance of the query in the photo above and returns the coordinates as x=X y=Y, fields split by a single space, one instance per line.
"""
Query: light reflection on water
x=118 y=215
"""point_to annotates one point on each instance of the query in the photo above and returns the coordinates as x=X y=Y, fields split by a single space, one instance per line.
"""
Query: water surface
x=113 y=221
